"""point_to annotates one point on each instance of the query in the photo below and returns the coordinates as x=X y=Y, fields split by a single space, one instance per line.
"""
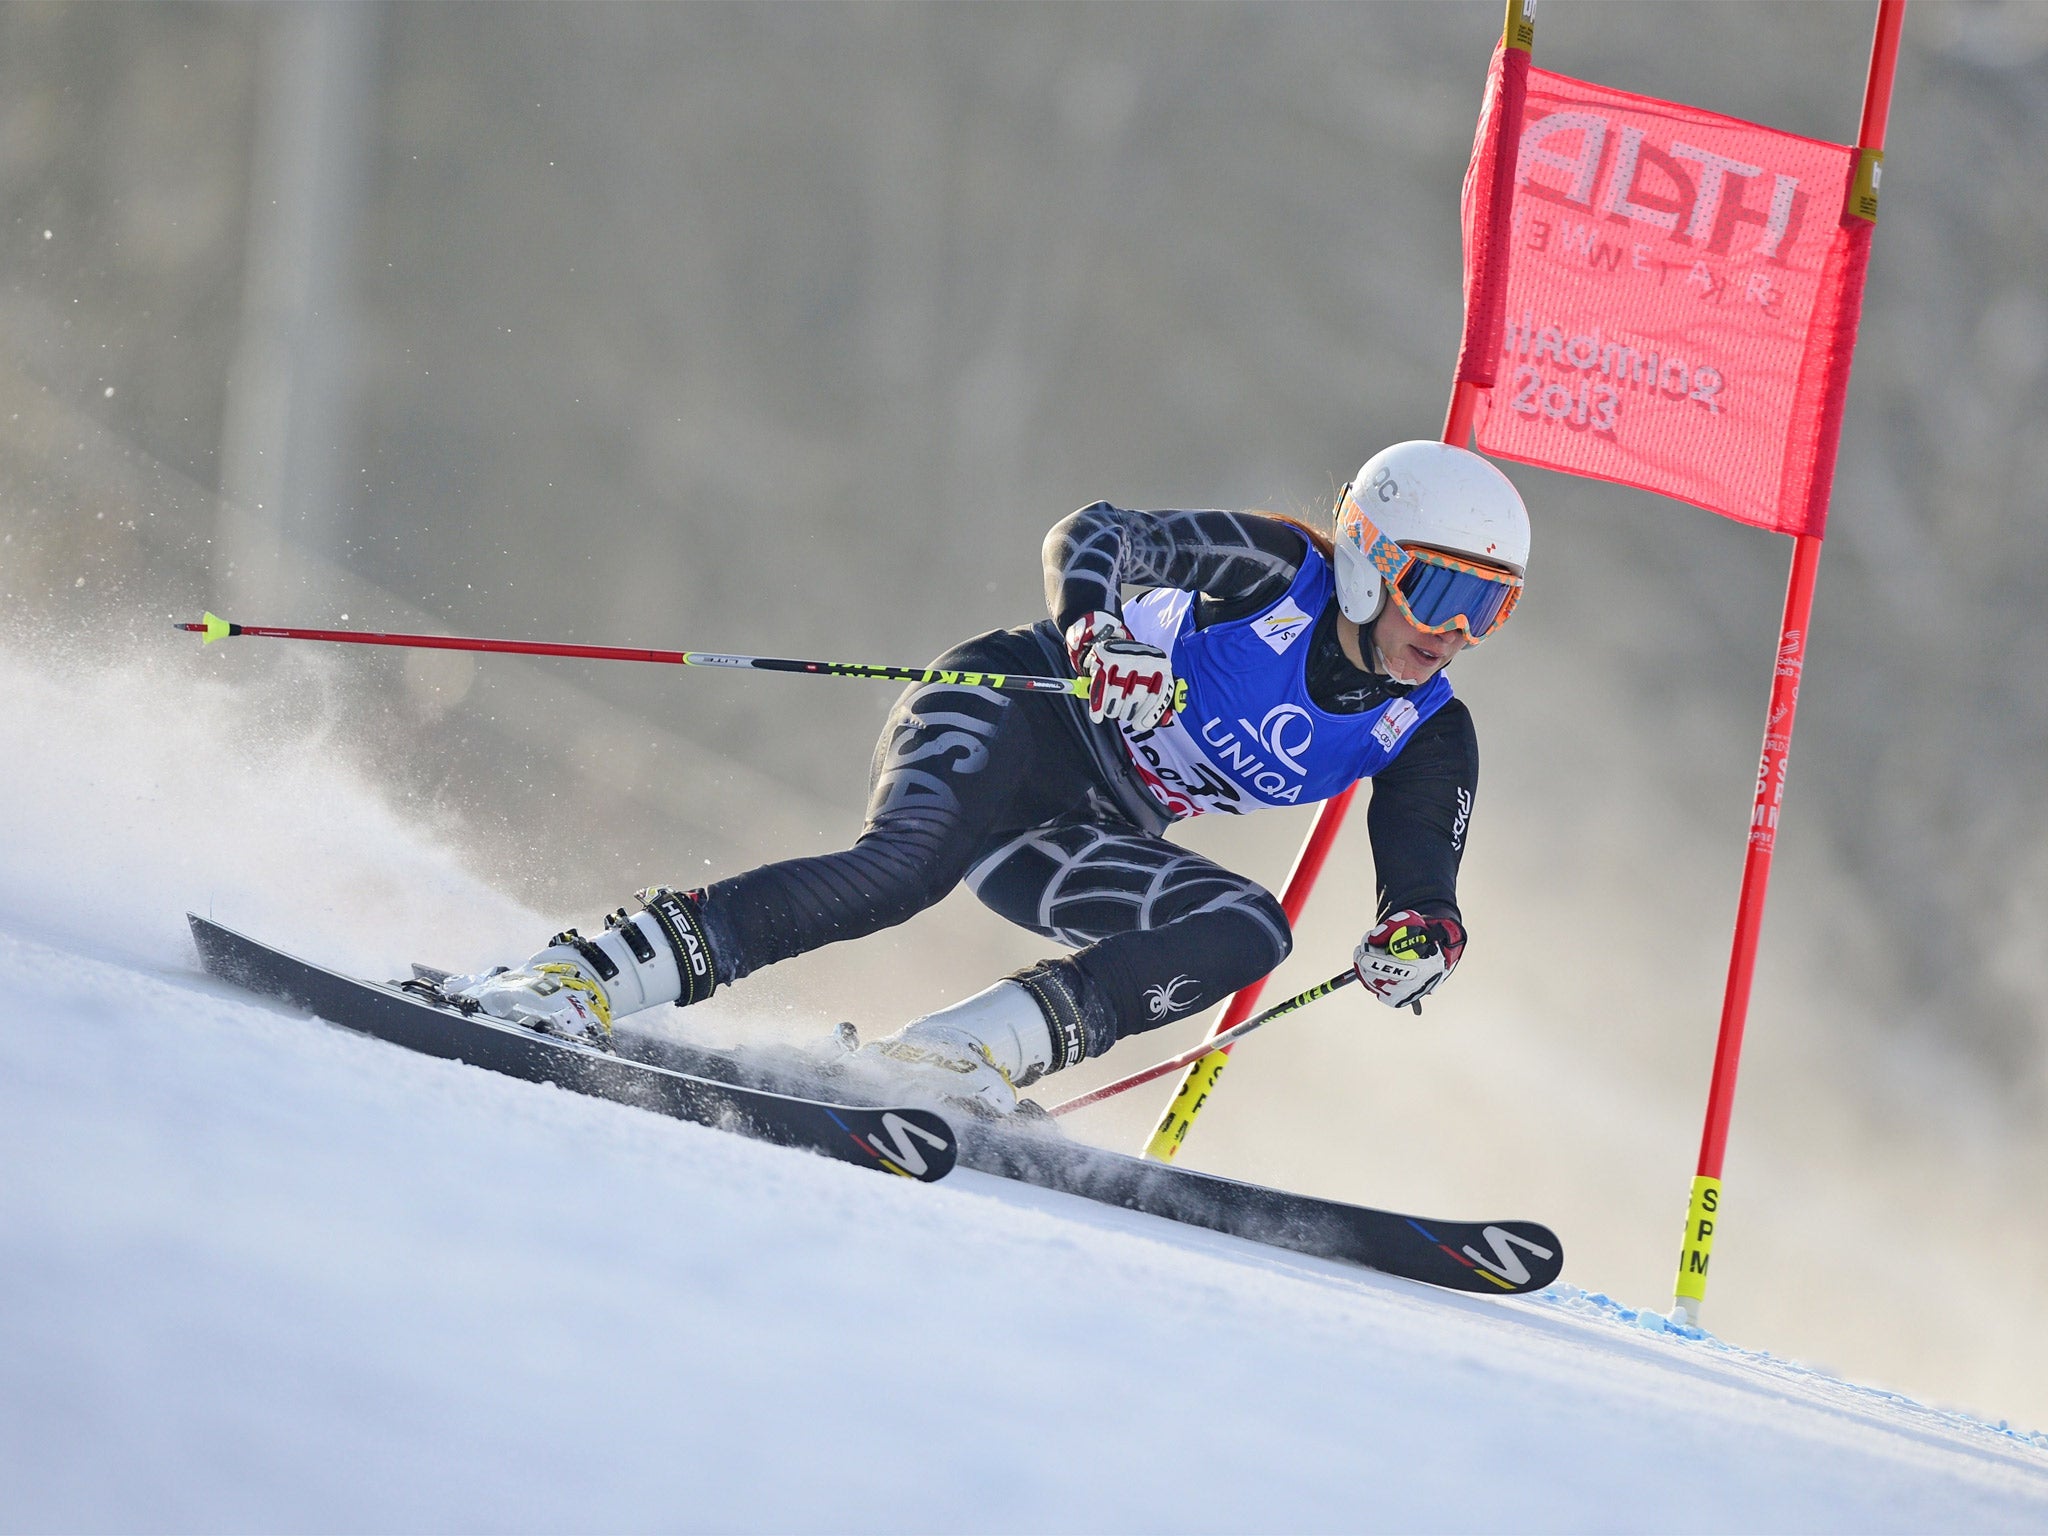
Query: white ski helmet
x=1430 y=494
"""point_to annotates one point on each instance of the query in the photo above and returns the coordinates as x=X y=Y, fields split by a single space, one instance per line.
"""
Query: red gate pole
x=1200 y=1079
x=1703 y=1210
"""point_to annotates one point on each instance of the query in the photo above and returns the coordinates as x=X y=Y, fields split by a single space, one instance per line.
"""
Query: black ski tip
x=1491 y=1258
x=912 y=1143
x=219 y=953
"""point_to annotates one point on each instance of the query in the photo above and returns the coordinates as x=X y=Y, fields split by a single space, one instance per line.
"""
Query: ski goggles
x=1438 y=593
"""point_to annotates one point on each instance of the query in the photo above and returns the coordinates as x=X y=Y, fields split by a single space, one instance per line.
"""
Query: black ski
x=753 y=1097
x=912 y=1142
x=1492 y=1258
x=1497 y=1258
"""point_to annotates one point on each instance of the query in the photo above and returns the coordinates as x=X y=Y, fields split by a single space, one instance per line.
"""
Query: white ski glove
x=1128 y=680
x=1406 y=957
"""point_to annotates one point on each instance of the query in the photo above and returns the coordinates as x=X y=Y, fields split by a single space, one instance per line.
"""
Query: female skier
x=1265 y=663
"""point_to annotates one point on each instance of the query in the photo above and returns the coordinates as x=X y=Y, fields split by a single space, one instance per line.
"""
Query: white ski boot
x=576 y=987
x=978 y=1052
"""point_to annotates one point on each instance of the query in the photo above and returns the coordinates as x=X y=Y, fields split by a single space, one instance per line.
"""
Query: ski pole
x=1213 y=1043
x=216 y=628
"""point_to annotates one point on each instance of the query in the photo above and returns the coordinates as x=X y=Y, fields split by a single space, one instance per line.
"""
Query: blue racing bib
x=1249 y=736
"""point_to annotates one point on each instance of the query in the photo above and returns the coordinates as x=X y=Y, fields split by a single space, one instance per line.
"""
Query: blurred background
x=791 y=328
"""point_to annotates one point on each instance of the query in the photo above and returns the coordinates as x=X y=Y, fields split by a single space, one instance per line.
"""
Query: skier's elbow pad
x=1064 y=533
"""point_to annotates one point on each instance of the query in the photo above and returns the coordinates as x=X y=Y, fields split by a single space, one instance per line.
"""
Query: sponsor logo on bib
x=1394 y=724
x=1281 y=625
x=1286 y=732
x=1281 y=736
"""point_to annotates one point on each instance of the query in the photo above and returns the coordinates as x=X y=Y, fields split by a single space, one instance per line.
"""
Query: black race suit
x=1039 y=811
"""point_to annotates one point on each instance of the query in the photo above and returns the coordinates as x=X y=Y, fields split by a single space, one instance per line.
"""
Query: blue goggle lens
x=1437 y=596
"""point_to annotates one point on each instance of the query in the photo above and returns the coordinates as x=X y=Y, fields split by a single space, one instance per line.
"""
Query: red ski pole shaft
x=1214 y=1042
x=214 y=628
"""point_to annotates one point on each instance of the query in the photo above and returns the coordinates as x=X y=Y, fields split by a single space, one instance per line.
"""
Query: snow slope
x=257 y=1273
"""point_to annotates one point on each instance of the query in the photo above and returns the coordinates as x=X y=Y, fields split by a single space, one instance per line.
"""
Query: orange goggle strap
x=1363 y=535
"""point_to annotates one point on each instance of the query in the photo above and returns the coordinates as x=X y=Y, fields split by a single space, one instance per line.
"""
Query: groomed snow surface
x=261 y=1274
x=257 y=1273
